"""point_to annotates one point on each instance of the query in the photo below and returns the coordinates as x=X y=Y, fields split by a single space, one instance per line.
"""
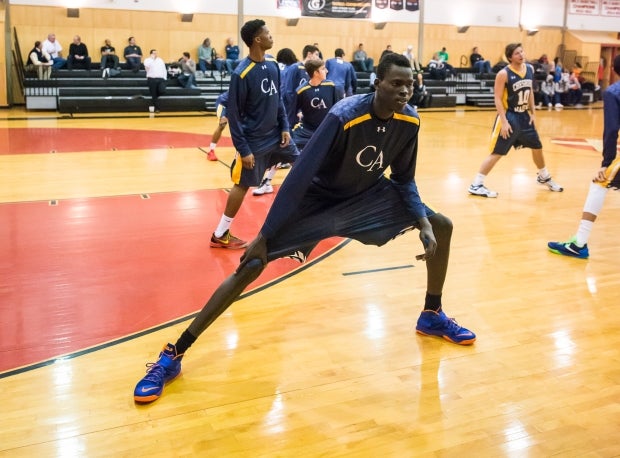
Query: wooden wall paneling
x=166 y=32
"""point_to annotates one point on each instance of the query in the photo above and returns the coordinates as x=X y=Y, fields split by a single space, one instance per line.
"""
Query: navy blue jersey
x=256 y=114
x=314 y=102
x=293 y=76
x=349 y=153
x=518 y=89
x=611 y=122
x=342 y=74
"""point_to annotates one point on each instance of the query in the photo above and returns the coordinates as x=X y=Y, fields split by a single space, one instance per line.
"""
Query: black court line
x=200 y=148
x=168 y=324
x=362 y=272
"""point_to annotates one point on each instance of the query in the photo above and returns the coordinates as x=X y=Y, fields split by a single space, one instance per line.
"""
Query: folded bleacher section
x=83 y=91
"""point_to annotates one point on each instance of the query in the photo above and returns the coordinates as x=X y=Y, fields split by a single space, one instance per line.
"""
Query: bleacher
x=82 y=91
x=466 y=88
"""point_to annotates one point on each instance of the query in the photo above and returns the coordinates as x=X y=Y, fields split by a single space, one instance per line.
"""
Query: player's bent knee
x=442 y=225
x=251 y=270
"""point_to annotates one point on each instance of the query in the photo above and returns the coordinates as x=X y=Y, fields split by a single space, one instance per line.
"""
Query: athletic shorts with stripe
x=612 y=177
x=220 y=112
x=373 y=217
x=524 y=134
x=262 y=161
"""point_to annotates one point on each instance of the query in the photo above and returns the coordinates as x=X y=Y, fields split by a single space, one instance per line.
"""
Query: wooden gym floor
x=104 y=258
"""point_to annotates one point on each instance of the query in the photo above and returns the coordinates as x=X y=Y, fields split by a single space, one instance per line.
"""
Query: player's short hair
x=250 y=29
x=312 y=65
x=339 y=52
x=286 y=56
x=309 y=49
x=510 y=49
x=390 y=59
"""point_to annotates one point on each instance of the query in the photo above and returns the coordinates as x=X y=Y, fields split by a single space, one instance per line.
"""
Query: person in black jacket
x=78 y=54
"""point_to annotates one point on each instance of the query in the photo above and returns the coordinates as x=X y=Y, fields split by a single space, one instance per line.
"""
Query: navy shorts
x=373 y=217
x=301 y=136
x=524 y=134
x=262 y=161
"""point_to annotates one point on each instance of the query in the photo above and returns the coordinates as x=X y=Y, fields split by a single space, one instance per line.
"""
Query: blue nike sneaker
x=433 y=323
x=166 y=369
x=569 y=248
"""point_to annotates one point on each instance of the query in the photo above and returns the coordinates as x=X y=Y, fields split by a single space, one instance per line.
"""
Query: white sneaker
x=549 y=105
x=481 y=190
x=264 y=188
x=559 y=105
x=552 y=185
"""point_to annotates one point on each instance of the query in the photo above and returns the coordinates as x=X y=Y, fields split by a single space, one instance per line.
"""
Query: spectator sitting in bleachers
x=387 y=50
x=232 y=55
x=109 y=59
x=549 y=97
x=574 y=91
x=133 y=55
x=207 y=57
x=561 y=87
x=54 y=49
x=40 y=60
x=443 y=56
x=544 y=66
x=478 y=62
x=361 y=62
x=187 y=77
x=436 y=68
x=421 y=97
x=415 y=66
x=78 y=54
x=557 y=70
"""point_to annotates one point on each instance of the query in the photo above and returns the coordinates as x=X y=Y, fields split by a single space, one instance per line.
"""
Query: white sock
x=583 y=232
x=544 y=173
x=224 y=225
x=213 y=145
x=479 y=179
x=593 y=205
x=271 y=173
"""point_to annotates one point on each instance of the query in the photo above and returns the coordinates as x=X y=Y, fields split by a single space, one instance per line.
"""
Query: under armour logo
x=381 y=129
x=298 y=256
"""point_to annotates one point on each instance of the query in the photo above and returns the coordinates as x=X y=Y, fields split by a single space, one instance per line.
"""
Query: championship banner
x=357 y=9
x=584 y=7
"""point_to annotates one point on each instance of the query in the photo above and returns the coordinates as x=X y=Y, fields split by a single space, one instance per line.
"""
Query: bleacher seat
x=82 y=91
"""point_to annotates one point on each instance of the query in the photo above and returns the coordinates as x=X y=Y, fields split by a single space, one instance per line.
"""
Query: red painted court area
x=29 y=140
x=89 y=271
